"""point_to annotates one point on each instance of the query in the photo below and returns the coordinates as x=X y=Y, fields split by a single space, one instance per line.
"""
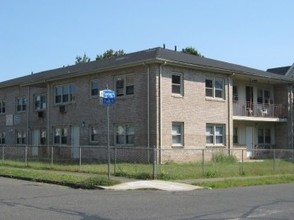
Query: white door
x=249 y=140
x=75 y=142
x=35 y=142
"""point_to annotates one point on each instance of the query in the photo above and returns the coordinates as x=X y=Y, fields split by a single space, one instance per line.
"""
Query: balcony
x=261 y=111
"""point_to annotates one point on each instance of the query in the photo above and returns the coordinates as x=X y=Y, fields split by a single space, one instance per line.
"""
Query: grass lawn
x=90 y=175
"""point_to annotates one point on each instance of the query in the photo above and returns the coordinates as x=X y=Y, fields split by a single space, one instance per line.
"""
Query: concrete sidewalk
x=152 y=184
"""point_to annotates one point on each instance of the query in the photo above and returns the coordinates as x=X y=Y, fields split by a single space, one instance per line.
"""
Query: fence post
x=274 y=158
x=26 y=155
x=154 y=162
x=3 y=153
x=52 y=152
x=242 y=162
x=115 y=155
x=202 y=162
x=80 y=156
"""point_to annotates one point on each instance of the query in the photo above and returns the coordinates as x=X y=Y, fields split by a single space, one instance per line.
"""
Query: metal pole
x=3 y=152
x=242 y=163
x=108 y=144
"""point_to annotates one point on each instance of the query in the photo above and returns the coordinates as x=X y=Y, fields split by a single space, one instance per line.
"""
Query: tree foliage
x=82 y=59
x=110 y=53
x=192 y=50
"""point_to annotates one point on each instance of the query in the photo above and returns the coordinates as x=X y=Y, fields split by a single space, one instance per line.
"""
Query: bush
x=223 y=158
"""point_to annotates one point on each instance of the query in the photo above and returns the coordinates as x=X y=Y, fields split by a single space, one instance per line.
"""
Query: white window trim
x=181 y=85
x=124 y=130
x=71 y=94
x=214 y=144
x=124 y=89
x=181 y=134
x=214 y=89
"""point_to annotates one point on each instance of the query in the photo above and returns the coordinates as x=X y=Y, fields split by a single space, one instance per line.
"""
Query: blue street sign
x=107 y=97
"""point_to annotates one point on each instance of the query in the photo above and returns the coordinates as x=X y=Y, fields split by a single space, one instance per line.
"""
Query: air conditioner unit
x=62 y=109
x=40 y=114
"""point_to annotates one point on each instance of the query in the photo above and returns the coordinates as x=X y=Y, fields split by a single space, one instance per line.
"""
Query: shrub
x=223 y=158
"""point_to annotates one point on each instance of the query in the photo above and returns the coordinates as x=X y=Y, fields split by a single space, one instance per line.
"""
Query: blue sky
x=38 y=35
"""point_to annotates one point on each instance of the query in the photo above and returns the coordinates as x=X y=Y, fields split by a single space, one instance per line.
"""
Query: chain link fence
x=154 y=163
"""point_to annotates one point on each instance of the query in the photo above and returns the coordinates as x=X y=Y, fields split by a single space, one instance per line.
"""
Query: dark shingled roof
x=279 y=70
x=138 y=58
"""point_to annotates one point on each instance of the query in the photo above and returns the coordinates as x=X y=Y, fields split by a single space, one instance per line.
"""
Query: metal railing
x=152 y=162
x=259 y=110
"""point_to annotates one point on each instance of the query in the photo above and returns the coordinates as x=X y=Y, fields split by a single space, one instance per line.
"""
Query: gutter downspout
x=28 y=114
x=230 y=121
x=48 y=114
x=160 y=113
x=148 y=112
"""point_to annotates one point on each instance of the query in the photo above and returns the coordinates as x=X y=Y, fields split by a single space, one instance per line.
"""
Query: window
x=177 y=133
x=2 y=107
x=263 y=96
x=125 y=135
x=40 y=102
x=43 y=136
x=65 y=93
x=264 y=136
x=94 y=88
x=215 y=134
x=214 y=88
x=124 y=85
x=94 y=134
x=2 y=137
x=21 y=104
x=60 y=136
x=235 y=135
x=21 y=137
x=235 y=94
x=177 y=84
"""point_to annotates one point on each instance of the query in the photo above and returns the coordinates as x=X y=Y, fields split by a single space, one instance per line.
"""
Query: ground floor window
x=177 y=133
x=235 y=135
x=60 y=135
x=215 y=134
x=21 y=137
x=93 y=134
x=2 y=137
x=264 y=136
x=124 y=134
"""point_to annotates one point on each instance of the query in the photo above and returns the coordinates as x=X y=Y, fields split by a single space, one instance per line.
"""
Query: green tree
x=192 y=50
x=82 y=59
x=110 y=53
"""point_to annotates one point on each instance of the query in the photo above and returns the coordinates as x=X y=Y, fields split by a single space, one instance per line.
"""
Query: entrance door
x=249 y=140
x=249 y=100
x=75 y=142
x=35 y=142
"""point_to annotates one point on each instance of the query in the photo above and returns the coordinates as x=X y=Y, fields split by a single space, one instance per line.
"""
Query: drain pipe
x=160 y=112
x=229 y=114
x=148 y=111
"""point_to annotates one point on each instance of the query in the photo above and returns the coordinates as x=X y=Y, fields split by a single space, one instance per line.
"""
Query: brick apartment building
x=164 y=99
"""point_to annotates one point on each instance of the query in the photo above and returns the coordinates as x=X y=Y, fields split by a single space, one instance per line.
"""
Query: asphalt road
x=29 y=200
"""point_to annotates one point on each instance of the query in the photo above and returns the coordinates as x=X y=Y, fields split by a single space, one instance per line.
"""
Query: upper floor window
x=94 y=88
x=235 y=94
x=40 y=102
x=21 y=137
x=65 y=93
x=2 y=107
x=124 y=85
x=60 y=136
x=214 y=88
x=2 y=137
x=125 y=135
x=215 y=134
x=263 y=96
x=21 y=104
x=177 y=84
x=177 y=133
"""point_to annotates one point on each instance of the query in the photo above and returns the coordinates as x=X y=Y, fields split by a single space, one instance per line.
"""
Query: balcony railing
x=259 y=110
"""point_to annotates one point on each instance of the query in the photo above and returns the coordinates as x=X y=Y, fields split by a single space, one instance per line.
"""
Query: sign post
x=107 y=98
